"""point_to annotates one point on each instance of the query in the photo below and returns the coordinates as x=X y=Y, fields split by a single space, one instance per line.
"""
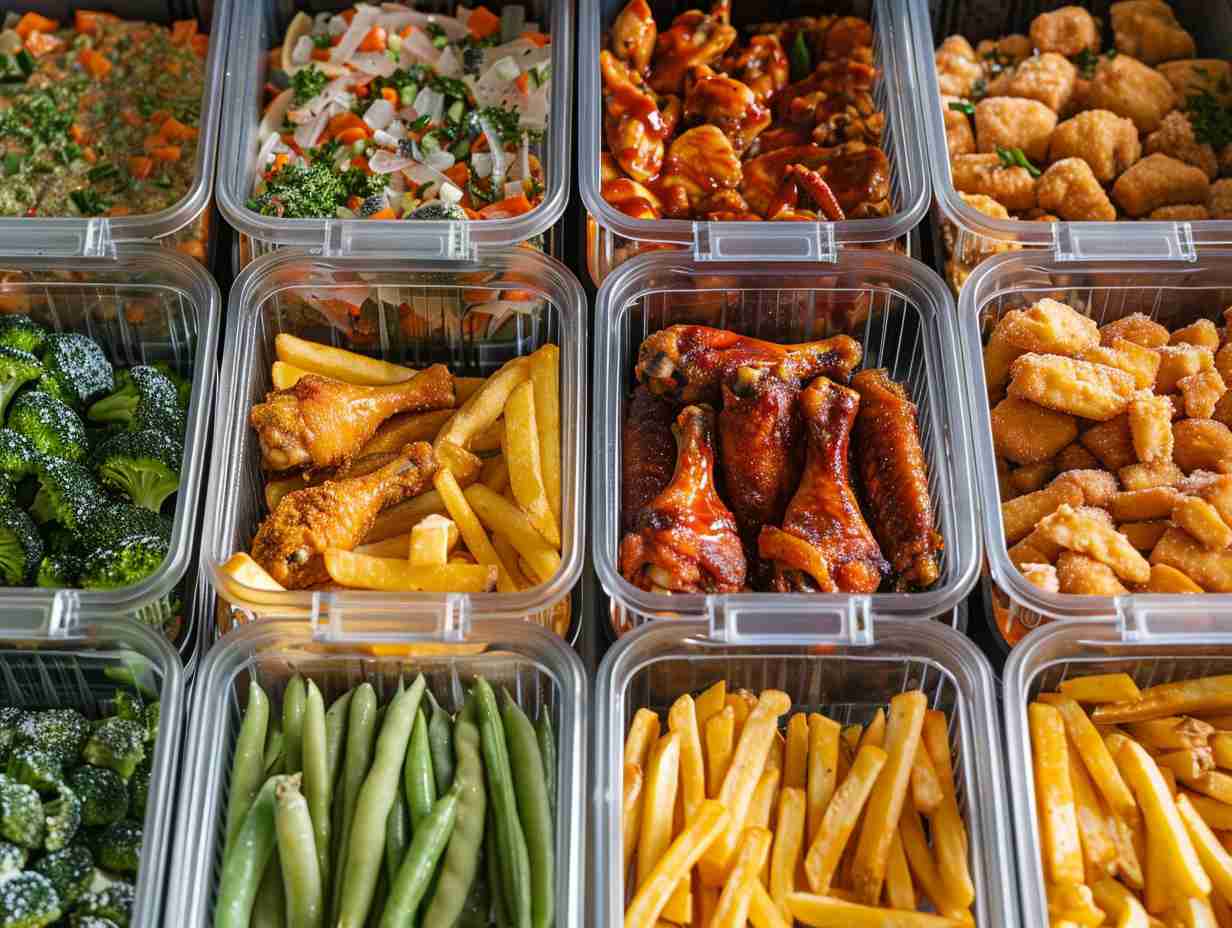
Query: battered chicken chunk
x=1200 y=75
x=1013 y=187
x=957 y=67
x=1048 y=78
x=1066 y=31
x=1159 y=180
x=1069 y=189
x=1175 y=137
x=1014 y=122
x=1219 y=201
x=1148 y=30
x=1130 y=88
x=959 y=136
x=1107 y=142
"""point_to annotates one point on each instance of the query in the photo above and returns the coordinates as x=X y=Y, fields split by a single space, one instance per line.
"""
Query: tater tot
x=1107 y=142
x=1069 y=189
x=1009 y=49
x=1014 y=122
x=1085 y=576
x=1066 y=31
x=1048 y=78
x=1080 y=388
x=959 y=136
x=1159 y=180
x=1201 y=332
x=1028 y=434
x=1175 y=137
x=1130 y=88
x=1012 y=187
x=1137 y=328
x=1150 y=425
x=1148 y=30
x=1049 y=326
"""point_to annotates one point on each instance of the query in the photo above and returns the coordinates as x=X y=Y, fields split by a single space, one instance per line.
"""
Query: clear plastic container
x=901 y=313
x=613 y=236
x=539 y=670
x=1173 y=293
x=144 y=305
x=827 y=673
x=51 y=662
x=273 y=296
x=182 y=224
x=259 y=25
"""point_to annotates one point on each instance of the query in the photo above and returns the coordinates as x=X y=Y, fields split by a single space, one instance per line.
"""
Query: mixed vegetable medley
x=388 y=113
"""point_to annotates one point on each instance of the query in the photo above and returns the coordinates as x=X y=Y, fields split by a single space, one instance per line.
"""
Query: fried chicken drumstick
x=684 y=540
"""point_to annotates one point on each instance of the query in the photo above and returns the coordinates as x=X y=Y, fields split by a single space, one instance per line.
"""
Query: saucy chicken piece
x=694 y=38
x=633 y=35
x=700 y=162
x=635 y=129
x=859 y=176
x=800 y=185
x=725 y=103
x=684 y=540
x=648 y=453
x=762 y=65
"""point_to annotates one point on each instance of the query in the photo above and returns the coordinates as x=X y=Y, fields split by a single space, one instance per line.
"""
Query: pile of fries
x=726 y=821
x=1134 y=792
x=485 y=525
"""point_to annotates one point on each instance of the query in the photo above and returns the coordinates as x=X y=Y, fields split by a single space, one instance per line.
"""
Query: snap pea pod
x=248 y=765
x=269 y=909
x=297 y=854
x=440 y=740
x=512 y=855
x=275 y=749
x=293 y=703
x=417 y=868
x=366 y=847
x=460 y=870
x=317 y=787
x=397 y=828
x=547 y=750
x=245 y=863
x=533 y=811
x=335 y=734
x=491 y=857
x=420 y=780
x=361 y=735
x=477 y=907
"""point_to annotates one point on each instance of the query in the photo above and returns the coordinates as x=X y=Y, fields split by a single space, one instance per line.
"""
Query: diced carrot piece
x=33 y=22
x=359 y=161
x=320 y=54
x=483 y=22
x=519 y=296
x=406 y=31
x=158 y=117
x=374 y=41
x=119 y=211
x=386 y=213
x=459 y=173
x=89 y=155
x=166 y=152
x=352 y=135
x=139 y=166
x=175 y=131
x=280 y=161
x=173 y=67
x=200 y=44
x=504 y=209
x=182 y=31
x=523 y=83
x=354 y=203
x=91 y=21
x=131 y=118
x=539 y=38
x=76 y=133
x=39 y=44
x=388 y=93
x=348 y=15
x=97 y=65
x=361 y=90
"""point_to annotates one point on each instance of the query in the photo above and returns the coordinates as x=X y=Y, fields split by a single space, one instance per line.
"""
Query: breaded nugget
x=1211 y=570
x=1021 y=515
x=1022 y=554
x=1216 y=489
x=1198 y=517
x=1202 y=444
x=958 y=45
x=1144 y=535
x=1049 y=327
x=1137 y=328
x=1179 y=361
x=1014 y=122
x=1025 y=433
x=967 y=248
x=1070 y=190
x=957 y=67
x=1107 y=142
x=1165 y=579
x=1012 y=187
x=1004 y=485
x=1159 y=180
x=1150 y=425
x=1223 y=410
x=1141 y=505
x=1129 y=88
x=1145 y=476
x=1043 y=576
x=959 y=136
x=1112 y=442
x=1032 y=477
x=1175 y=137
x=1086 y=534
x=1182 y=212
x=1080 y=388
x=1140 y=363
x=1191 y=76
x=1085 y=576
x=1219 y=201
x=1009 y=49
x=1048 y=78
x=1066 y=31
x=1201 y=332
x=1102 y=516
x=1149 y=31
x=1075 y=457
x=1098 y=486
x=1223 y=362
x=999 y=354
x=1047 y=549
x=1202 y=393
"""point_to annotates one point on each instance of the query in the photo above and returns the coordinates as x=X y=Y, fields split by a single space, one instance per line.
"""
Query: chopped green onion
x=12 y=163
x=456 y=111
x=102 y=172
x=25 y=61
x=408 y=94
x=440 y=41
x=801 y=58
x=421 y=123
x=430 y=143
x=461 y=150
x=966 y=107
x=1014 y=157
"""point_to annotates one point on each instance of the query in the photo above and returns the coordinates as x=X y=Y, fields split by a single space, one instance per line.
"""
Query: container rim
x=555 y=283
x=801 y=239
x=359 y=237
x=910 y=280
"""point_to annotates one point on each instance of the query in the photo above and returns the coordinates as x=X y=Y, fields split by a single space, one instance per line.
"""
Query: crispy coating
x=1182 y=212
x=1223 y=361
x=1075 y=457
x=1098 y=486
x=1192 y=76
x=957 y=72
x=648 y=453
x=1159 y=180
x=1201 y=332
x=1223 y=409
x=1032 y=477
x=1165 y=579
x=1084 y=533
x=1148 y=30
x=1069 y=189
x=1112 y=442
x=1202 y=391
x=959 y=136
x=1004 y=485
x=1137 y=328
x=999 y=354
x=1211 y=570
x=1146 y=476
x=1026 y=433
x=1012 y=187
x=1131 y=89
x=1144 y=535
x=972 y=249
x=1085 y=576
x=1179 y=361
x=1219 y=201
x=1044 y=549
x=1141 y=505
x=1202 y=444
x=1150 y=424
x=1080 y=388
x=1066 y=31
x=1175 y=137
x=1107 y=142
x=1009 y=49
x=1021 y=515
x=1216 y=489
x=1140 y=363
x=1014 y=122
x=1202 y=520
x=958 y=45
x=1048 y=327
x=1043 y=576
x=1048 y=78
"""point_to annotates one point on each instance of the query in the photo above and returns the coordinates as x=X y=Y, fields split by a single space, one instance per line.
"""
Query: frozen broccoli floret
x=68 y=494
x=35 y=767
x=114 y=901
x=21 y=546
x=50 y=425
x=438 y=210
x=125 y=546
x=11 y=721
x=103 y=794
x=12 y=859
x=144 y=466
x=183 y=386
x=128 y=705
x=118 y=847
x=16 y=368
x=91 y=921
x=28 y=900
x=18 y=456
x=151 y=717
x=117 y=744
x=64 y=732
x=79 y=367
x=146 y=400
x=63 y=819
x=21 y=814
x=22 y=332
x=57 y=571
x=70 y=870
x=139 y=787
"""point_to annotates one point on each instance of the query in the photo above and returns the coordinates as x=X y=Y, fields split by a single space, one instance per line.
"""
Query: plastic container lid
x=258 y=26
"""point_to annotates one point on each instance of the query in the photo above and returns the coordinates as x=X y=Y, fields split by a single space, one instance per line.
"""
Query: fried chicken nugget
x=1112 y=442
x=1021 y=515
x=1066 y=31
x=1179 y=361
x=1046 y=549
x=1069 y=189
x=1129 y=88
x=1202 y=444
x=1150 y=424
x=1223 y=362
x=1181 y=212
x=1014 y=122
x=1175 y=137
x=1141 y=363
x=1098 y=486
x=1202 y=393
x=959 y=136
x=1075 y=457
x=1081 y=532
x=1142 y=505
x=1223 y=410
x=1216 y=489
x=1049 y=327
x=999 y=354
x=1146 y=476
x=1023 y=554
x=957 y=67
x=1043 y=576
x=1025 y=433
x=1080 y=388
x=1193 y=76
x=1160 y=180
x=1144 y=535
x=1107 y=142
x=1085 y=576
x=1202 y=520
x=1165 y=579
x=1137 y=328
x=1211 y=570
x=1049 y=78
x=1032 y=477
x=1012 y=187
x=1201 y=332
x=1148 y=30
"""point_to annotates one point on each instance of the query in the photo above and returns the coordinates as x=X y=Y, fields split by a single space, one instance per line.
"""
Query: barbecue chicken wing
x=292 y=540
x=648 y=453
x=824 y=545
x=858 y=176
x=762 y=65
x=633 y=35
x=725 y=103
x=322 y=423
x=894 y=477
x=699 y=163
x=633 y=124
x=688 y=362
x=694 y=38
x=684 y=540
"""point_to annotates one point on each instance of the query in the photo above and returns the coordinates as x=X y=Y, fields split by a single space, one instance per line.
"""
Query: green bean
x=275 y=749
x=248 y=765
x=513 y=857
x=533 y=811
x=417 y=868
x=366 y=846
x=269 y=909
x=397 y=836
x=477 y=907
x=297 y=853
x=420 y=781
x=440 y=741
x=491 y=857
x=244 y=865
x=335 y=734
x=316 y=775
x=460 y=870
x=293 y=723
x=547 y=750
x=361 y=734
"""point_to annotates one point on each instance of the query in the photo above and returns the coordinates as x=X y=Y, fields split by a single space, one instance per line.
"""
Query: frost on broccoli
x=21 y=546
x=183 y=386
x=21 y=814
x=124 y=547
x=11 y=721
x=63 y=819
x=118 y=847
x=71 y=871
x=28 y=900
x=22 y=332
x=35 y=767
x=78 y=366
x=16 y=368
x=103 y=794
x=64 y=732
x=18 y=456
x=147 y=399
x=144 y=466
x=116 y=744
x=114 y=901
x=68 y=494
x=12 y=859
x=57 y=571
x=50 y=425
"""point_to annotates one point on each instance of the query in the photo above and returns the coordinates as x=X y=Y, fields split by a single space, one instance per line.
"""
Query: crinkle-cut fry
x=643 y=733
x=1094 y=754
x=1221 y=749
x=477 y=543
x=545 y=376
x=1188 y=762
x=822 y=768
x=840 y=817
x=659 y=787
x=521 y=443
x=1213 y=783
x=762 y=911
x=1216 y=860
x=1073 y=902
x=1119 y=904
x=711 y=701
x=1050 y=327
x=737 y=895
x=899 y=890
x=1054 y=795
x=829 y=912
x=1184 y=697
x=499 y=515
x=1098 y=848
x=1164 y=827
x=788 y=846
x=1080 y=388
x=630 y=811
x=949 y=830
x=652 y=896
x=926 y=790
x=1087 y=535
x=748 y=761
x=682 y=718
x=795 y=764
x=485 y=405
x=338 y=363
x=719 y=740
x=1100 y=688
x=1021 y=516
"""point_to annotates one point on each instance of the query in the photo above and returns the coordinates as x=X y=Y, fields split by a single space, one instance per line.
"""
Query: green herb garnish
x=1211 y=121
x=308 y=82
x=102 y=172
x=801 y=58
x=89 y=203
x=1014 y=158
x=966 y=107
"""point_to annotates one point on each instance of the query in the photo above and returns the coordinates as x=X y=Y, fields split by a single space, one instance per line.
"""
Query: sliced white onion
x=397 y=182
x=275 y=113
x=451 y=194
x=337 y=26
x=396 y=130
x=384 y=139
x=420 y=174
x=463 y=15
x=430 y=103
x=397 y=20
x=320 y=23
x=500 y=163
x=525 y=52
x=385 y=162
x=449 y=64
x=364 y=19
x=377 y=64
x=524 y=157
x=417 y=47
x=514 y=189
x=380 y=114
x=301 y=53
x=343 y=158
x=300 y=116
x=266 y=153
x=440 y=159
x=306 y=135
x=506 y=68
x=533 y=108
x=481 y=164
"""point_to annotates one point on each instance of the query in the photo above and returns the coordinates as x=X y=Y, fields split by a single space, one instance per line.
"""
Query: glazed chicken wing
x=699 y=163
x=725 y=103
x=684 y=540
x=694 y=38
x=894 y=477
x=290 y=544
x=321 y=423
x=633 y=125
x=824 y=544
x=857 y=174
x=688 y=362
x=648 y=453
x=633 y=35
x=762 y=65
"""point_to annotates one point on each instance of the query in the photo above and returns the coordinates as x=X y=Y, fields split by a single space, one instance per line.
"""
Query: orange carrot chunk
x=33 y=22
x=483 y=22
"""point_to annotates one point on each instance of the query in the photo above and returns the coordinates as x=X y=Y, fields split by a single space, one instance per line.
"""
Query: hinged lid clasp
x=805 y=620
x=1161 y=618
x=764 y=241
x=445 y=619
x=436 y=241
x=1113 y=241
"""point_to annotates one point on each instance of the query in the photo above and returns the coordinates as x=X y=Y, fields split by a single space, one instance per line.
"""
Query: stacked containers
x=612 y=237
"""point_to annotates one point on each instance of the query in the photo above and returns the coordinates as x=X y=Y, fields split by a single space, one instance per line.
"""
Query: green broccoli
x=63 y=819
x=63 y=732
x=128 y=705
x=126 y=545
x=57 y=571
x=68 y=494
x=11 y=721
x=52 y=387
x=21 y=547
x=21 y=814
x=183 y=386
x=18 y=456
x=147 y=400
x=151 y=716
x=91 y=921
x=79 y=367
x=30 y=764
x=144 y=466
x=103 y=794
x=118 y=847
x=139 y=787
x=22 y=332
x=438 y=211
x=16 y=369
x=114 y=902
x=28 y=900
x=50 y=425
x=12 y=859
x=70 y=870
x=117 y=744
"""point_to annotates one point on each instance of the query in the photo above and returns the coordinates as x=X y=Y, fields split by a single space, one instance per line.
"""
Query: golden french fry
x=490 y=439
x=279 y=487
x=1188 y=763
x=399 y=519
x=1216 y=860
x=499 y=515
x=688 y=847
x=459 y=507
x=762 y=911
x=360 y=571
x=707 y=902
x=243 y=569
x=388 y=547
x=949 y=831
x=1221 y=749
x=682 y=719
x=509 y=556
x=1094 y=754
x=711 y=702
x=765 y=800
x=1128 y=861
x=521 y=443
x=1222 y=909
x=643 y=733
x=1218 y=721
x=495 y=474
x=630 y=811
x=1100 y=688
x=1192 y=913
x=338 y=363
x=1170 y=779
x=658 y=803
x=1094 y=829
x=396 y=432
x=899 y=891
x=1120 y=904
x=788 y=841
x=775 y=756
x=1187 y=697
x=874 y=734
x=828 y=912
x=920 y=860
x=1171 y=733
x=840 y=818
x=431 y=541
x=926 y=791
x=484 y=406
x=1215 y=784
x=732 y=910
x=1054 y=795
x=1074 y=903
x=285 y=376
x=464 y=466
x=822 y=769
x=720 y=741
x=795 y=764
x=545 y=376
x=742 y=703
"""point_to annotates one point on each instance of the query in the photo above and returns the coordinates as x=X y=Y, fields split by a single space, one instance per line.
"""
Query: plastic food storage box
x=539 y=670
x=1173 y=293
x=181 y=225
x=79 y=662
x=289 y=292
x=612 y=236
x=1210 y=23
x=143 y=306
x=259 y=25
x=900 y=312
x=825 y=664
